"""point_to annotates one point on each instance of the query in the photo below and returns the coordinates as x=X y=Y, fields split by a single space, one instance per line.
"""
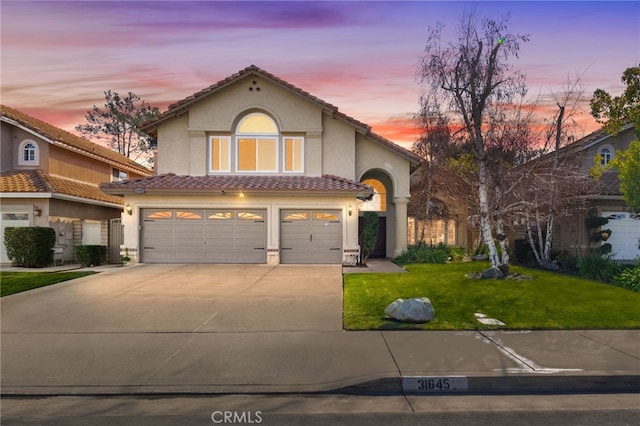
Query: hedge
x=91 y=255
x=30 y=246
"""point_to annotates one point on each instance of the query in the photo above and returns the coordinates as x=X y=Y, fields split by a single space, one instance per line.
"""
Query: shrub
x=565 y=260
x=369 y=234
x=91 y=255
x=456 y=253
x=598 y=267
x=30 y=246
x=629 y=278
x=424 y=254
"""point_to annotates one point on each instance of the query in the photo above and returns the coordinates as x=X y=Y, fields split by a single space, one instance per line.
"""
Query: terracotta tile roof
x=182 y=105
x=38 y=181
x=217 y=183
x=72 y=141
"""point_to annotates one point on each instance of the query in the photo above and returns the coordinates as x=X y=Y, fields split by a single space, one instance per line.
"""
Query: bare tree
x=473 y=75
x=556 y=183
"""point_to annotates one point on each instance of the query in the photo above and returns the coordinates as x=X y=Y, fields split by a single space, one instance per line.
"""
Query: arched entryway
x=380 y=203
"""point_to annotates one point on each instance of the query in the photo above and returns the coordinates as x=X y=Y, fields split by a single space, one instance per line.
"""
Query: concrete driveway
x=184 y=328
x=183 y=298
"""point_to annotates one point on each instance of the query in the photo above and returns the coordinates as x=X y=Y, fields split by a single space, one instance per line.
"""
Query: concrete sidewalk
x=373 y=362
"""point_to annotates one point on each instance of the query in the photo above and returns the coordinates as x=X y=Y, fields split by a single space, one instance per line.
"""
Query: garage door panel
x=223 y=242
x=188 y=243
x=189 y=228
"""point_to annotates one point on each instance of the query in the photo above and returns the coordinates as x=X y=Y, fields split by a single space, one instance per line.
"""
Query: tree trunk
x=485 y=223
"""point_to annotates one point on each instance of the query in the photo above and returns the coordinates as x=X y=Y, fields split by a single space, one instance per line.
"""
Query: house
x=50 y=177
x=571 y=233
x=255 y=170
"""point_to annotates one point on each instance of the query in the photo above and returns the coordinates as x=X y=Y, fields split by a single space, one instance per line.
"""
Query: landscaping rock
x=480 y=257
x=492 y=272
x=416 y=310
x=550 y=266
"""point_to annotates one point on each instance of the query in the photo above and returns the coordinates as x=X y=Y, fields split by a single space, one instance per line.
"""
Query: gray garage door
x=310 y=236
x=204 y=236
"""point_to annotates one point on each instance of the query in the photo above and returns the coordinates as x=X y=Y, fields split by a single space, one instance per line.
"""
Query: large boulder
x=416 y=310
x=492 y=272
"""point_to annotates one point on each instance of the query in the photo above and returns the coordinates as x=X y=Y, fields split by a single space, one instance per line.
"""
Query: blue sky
x=58 y=57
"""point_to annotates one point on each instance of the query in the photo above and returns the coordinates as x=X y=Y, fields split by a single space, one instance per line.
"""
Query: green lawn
x=549 y=301
x=15 y=282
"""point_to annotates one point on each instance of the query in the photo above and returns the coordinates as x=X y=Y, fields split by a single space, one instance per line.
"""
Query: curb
x=506 y=385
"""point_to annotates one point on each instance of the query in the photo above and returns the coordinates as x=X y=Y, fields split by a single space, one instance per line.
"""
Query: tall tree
x=614 y=113
x=118 y=124
x=473 y=75
x=555 y=184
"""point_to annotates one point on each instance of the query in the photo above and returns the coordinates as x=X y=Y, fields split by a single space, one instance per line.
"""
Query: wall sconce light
x=350 y=210
x=128 y=209
x=241 y=195
x=37 y=211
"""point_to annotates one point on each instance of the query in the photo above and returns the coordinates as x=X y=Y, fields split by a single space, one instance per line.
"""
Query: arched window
x=379 y=201
x=606 y=154
x=257 y=144
x=28 y=153
x=256 y=147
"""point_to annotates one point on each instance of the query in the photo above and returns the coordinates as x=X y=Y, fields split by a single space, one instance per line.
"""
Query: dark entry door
x=381 y=242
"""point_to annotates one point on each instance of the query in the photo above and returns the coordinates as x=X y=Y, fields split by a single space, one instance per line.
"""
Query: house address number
x=435 y=384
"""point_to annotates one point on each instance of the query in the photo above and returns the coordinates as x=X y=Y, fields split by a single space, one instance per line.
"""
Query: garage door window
x=220 y=215
x=326 y=216
x=189 y=215
x=250 y=216
x=296 y=216
x=15 y=216
x=159 y=214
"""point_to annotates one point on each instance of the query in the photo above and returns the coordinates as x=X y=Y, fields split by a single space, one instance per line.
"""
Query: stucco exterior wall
x=338 y=148
x=12 y=137
x=173 y=146
x=371 y=156
x=619 y=142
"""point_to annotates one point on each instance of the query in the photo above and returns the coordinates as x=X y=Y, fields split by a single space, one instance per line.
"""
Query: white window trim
x=36 y=156
x=284 y=153
x=210 y=160
x=612 y=151
x=260 y=136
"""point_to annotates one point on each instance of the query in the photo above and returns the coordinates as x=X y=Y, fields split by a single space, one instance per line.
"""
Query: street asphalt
x=260 y=329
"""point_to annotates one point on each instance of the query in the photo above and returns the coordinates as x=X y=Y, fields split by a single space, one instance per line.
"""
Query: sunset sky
x=59 y=57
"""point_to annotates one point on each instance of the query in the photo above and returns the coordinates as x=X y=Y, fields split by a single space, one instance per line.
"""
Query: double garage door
x=238 y=236
x=204 y=236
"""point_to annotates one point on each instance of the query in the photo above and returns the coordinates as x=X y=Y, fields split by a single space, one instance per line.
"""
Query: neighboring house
x=255 y=170
x=570 y=232
x=448 y=215
x=50 y=177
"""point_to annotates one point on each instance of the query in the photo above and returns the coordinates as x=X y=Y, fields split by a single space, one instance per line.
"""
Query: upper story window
x=28 y=153
x=606 y=154
x=118 y=175
x=256 y=147
x=257 y=144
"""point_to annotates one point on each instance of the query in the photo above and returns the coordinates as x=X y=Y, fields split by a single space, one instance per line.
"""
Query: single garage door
x=204 y=236
x=310 y=236
x=625 y=234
